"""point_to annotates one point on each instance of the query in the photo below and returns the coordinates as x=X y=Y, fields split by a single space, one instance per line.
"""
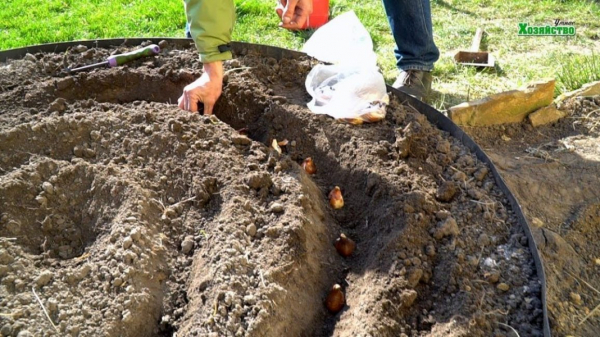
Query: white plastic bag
x=343 y=40
x=356 y=94
x=352 y=88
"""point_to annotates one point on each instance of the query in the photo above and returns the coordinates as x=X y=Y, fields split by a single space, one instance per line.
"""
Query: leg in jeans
x=187 y=30
x=410 y=22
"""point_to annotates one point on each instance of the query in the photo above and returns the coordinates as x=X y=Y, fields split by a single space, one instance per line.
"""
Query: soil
x=554 y=172
x=122 y=215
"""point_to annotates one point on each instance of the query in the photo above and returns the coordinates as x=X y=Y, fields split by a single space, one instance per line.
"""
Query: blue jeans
x=188 y=34
x=410 y=21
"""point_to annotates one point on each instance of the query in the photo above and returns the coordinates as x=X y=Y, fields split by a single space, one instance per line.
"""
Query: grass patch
x=519 y=59
x=577 y=70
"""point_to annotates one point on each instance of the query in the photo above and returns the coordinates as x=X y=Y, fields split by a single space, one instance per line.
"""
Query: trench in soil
x=399 y=273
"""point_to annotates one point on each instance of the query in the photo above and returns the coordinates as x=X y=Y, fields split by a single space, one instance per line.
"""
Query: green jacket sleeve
x=211 y=23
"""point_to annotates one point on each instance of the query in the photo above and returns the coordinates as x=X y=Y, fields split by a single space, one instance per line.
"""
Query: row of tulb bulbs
x=345 y=246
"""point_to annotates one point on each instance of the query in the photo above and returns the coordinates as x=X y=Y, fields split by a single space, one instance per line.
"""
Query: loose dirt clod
x=161 y=221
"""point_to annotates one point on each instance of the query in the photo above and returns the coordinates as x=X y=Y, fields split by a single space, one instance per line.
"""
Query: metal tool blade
x=95 y=65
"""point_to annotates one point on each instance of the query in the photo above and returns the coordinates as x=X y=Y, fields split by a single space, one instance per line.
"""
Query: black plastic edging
x=433 y=115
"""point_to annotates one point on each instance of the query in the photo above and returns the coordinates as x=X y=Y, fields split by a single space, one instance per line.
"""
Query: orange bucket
x=320 y=14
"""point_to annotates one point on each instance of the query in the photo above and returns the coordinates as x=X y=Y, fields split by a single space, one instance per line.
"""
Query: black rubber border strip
x=434 y=116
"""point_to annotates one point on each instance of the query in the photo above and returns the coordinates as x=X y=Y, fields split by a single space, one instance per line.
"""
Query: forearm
x=211 y=24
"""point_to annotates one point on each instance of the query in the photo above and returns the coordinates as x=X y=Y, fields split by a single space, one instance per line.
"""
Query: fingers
x=180 y=102
x=280 y=8
x=208 y=108
x=192 y=103
x=295 y=14
x=300 y=18
x=288 y=12
x=188 y=101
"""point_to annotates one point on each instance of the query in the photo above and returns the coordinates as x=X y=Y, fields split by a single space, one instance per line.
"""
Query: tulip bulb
x=344 y=245
x=309 y=166
x=335 y=198
x=335 y=299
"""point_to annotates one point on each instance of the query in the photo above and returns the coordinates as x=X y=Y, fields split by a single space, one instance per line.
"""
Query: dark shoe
x=416 y=83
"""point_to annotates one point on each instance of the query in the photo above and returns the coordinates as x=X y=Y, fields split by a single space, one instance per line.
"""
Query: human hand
x=205 y=89
x=293 y=13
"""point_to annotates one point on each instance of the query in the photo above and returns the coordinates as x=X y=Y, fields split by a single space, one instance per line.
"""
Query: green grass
x=518 y=59
x=577 y=70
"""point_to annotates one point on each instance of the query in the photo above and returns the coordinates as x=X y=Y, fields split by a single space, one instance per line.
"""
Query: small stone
x=472 y=261
x=30 y=57
x=25 y=333
x=459 y=176
x=408 y=297
x=41 y=200
x=135 y=234
x=446 y=191
x=48 y=188
x=537 y=223
x=415 y=277
x=80 y=48
x=249 y=299
x=241 y=140
x=443 y=146
x=493 y=277
x=597 y=262
x=127 y=317
x=163 y=44
x=65 y=83
x=442 y=215
x=187 y=244
x=475 y=193
x=481 y=173
x=44 y=278
x=58 y=105
x=256 y=180
x=78 y=151
x=430 y=250
x=127 y=242
x=575 y=298
x=503 y=287
x=95 y=135
x=6 y=330
x=5 y=257
x=251 y=230
x=88 y=54
x=276 y=208
x=117 y=282
x=448 y=227
x=89 y=153
x=170 y=213
x=483 y=240
x=84 y=271
x=546 y=115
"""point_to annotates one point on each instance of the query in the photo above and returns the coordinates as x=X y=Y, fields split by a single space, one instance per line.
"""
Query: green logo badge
x=559 y=28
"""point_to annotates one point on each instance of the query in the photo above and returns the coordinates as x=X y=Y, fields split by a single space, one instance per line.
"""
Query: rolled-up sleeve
x=211 y=24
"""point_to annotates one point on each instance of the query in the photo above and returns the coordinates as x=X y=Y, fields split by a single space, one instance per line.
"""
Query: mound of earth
x=122 y=215
x=554 y=172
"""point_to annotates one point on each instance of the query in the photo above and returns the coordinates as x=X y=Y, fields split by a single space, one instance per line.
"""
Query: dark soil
x=130 y=217
x=554 y=172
